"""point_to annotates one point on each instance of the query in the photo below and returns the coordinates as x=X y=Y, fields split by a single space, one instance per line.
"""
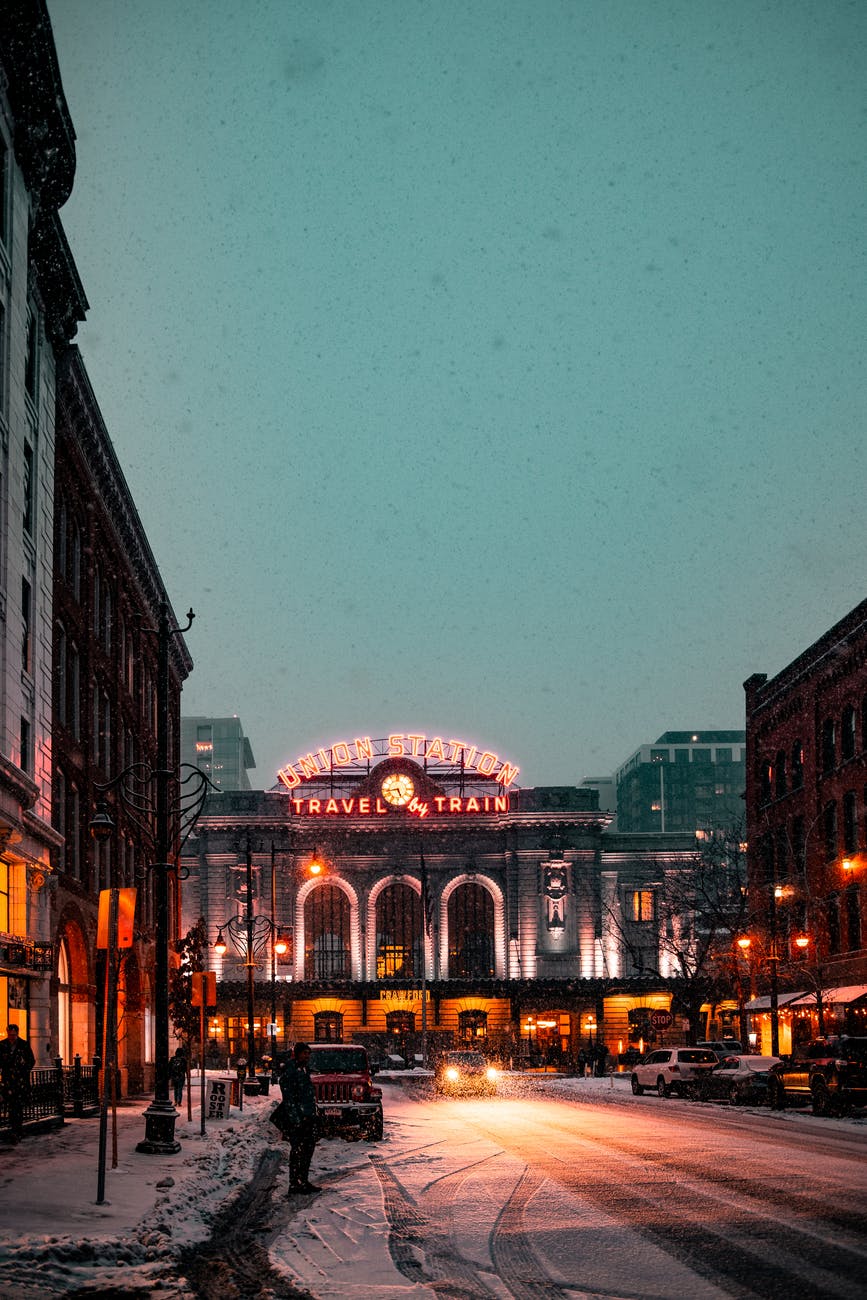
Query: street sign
x=660 y=1019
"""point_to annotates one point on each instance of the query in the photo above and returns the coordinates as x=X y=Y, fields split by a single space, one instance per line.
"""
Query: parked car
x=830 y=1072
x=465 y=1072
x=718 y=1047
x=723 y=1047
x=346 y=1098
x=738 y=1079
x=670 y=1069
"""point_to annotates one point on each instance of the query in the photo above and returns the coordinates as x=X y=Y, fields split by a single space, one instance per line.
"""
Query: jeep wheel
x=636 y=1087
x=662 y=1087
x=373 y=1132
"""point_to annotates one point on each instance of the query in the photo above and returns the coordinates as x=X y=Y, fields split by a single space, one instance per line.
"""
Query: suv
x=670 y=1069
x=723 y=1047
x=345 y=1096
x=831 y=1072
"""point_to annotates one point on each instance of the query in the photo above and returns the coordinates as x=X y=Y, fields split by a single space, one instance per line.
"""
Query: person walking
x=178 y=1074
x=16 y=1062
x=299 y=1102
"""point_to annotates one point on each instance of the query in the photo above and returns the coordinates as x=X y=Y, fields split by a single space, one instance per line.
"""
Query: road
x=532 y=1196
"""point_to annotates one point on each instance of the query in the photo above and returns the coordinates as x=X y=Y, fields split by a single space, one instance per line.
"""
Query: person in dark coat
x=16 y=1062
x=299 y=1104
x=178 y=1074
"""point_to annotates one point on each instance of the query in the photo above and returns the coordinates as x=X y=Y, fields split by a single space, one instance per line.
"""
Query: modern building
x=807 y=833
x=41 y=303
x=419 y=892
x=108 y=595
x=219 y=748
x=686 y=781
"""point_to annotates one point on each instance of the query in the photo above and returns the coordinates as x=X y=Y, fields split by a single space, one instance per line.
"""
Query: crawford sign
x=472 y=760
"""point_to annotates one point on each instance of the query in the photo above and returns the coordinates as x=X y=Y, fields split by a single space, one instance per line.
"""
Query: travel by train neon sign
x=475 y=762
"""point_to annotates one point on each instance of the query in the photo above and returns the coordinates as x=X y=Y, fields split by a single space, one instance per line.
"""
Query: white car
x=670 y=1069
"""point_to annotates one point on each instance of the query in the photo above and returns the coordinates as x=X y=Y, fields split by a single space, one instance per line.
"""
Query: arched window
x=471 y=932
x=328 y=1027
x=326 y=934
x=797 y=765
x=780 y=775
x=473 y=1026
x=848 y=733
x=398 y=933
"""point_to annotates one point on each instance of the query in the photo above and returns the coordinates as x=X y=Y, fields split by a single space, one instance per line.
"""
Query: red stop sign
x=660 y=1019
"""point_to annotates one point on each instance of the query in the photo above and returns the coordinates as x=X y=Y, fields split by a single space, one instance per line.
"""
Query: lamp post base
x=159 y=1138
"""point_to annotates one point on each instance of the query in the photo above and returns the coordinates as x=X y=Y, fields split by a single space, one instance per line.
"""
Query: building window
x=29 y=489
x=767 y=782
x=97 y=602
x=642 y=905
x=31 y=364
x=398 y=933
x=473 y=1027
x=832 y=915
x=75 y=564
x=829 y=745
x=26 y=627
x=326 y=934
x=471 y=932
x=797 y=775
x=328 y=1027
x=782 y=853
x=780 y=775
x=799 y=845
x=829 y=822
x=847 y=733
x=75 y=692
x=850 y=822
x=26 y=746
x=4 y=190
x=73 y=834
x=853 y=918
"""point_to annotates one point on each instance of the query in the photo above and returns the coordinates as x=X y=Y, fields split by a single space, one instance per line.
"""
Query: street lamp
x=251 y=936
x=164 y=806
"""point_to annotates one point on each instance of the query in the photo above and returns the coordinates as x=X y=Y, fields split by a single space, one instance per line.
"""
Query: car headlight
x=491 y=1074
x=452 y=1074
x=358 y=1092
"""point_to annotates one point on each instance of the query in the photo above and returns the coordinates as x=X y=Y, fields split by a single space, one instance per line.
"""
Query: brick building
x=807 y=829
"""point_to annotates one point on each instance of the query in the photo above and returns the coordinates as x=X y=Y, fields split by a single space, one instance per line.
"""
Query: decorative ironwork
x=262 y=929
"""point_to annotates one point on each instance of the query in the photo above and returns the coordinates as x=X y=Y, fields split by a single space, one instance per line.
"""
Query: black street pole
x=775 y=1009
x=160 y=1116
x=251 y=967
x=273 y=959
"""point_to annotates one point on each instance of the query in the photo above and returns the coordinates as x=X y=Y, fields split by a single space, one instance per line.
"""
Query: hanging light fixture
x=220 y=943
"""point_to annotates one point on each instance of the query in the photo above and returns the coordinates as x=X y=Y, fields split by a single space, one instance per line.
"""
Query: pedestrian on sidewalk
x=299 y=1103
x=16 y=1062
x=178 y=1074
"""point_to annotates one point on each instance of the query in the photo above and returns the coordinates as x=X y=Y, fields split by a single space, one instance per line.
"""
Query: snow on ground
x=54 y=1238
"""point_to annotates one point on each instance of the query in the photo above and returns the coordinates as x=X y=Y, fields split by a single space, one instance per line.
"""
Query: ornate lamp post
x=251 y=936
x=164 y=806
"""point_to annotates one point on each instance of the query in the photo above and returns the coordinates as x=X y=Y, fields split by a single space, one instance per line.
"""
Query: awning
x=839 y=997
x=764 y=1003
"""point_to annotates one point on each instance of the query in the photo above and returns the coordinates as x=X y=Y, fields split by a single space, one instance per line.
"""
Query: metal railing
x=57 y=1093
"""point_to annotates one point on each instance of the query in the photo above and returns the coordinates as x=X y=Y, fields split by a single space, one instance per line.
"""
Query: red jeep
x=346 y=1098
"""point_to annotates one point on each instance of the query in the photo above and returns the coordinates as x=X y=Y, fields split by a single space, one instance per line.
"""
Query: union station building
x=405 y=892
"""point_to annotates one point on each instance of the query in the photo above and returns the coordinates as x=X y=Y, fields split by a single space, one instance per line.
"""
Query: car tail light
x=840 y=1065
x=675 y=1069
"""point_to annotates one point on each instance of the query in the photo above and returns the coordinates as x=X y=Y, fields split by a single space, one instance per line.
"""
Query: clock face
x=398 y=789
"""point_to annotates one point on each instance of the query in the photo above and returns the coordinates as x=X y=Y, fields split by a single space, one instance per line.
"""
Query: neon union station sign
x=442 y=759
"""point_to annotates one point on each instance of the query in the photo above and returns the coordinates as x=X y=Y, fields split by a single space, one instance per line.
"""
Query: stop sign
x=660 y=1019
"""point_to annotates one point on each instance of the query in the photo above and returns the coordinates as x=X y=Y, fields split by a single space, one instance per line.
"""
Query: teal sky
x=494 y=369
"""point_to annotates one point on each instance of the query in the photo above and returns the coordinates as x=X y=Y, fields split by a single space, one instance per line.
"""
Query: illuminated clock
x=397 y=789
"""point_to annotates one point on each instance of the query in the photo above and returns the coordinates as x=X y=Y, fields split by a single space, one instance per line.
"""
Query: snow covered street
x=557 y=1187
